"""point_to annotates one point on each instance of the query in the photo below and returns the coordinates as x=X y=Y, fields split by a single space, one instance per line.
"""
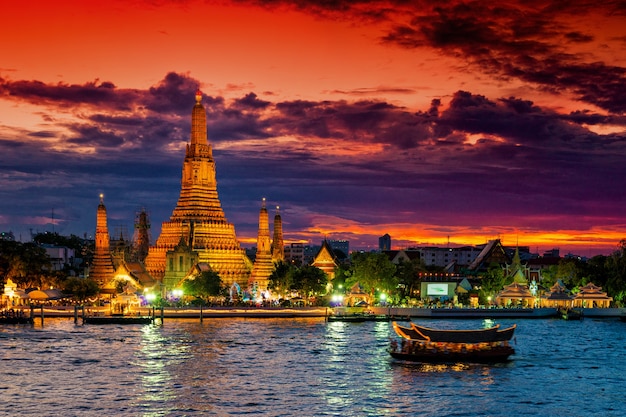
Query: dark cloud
x=100 y=94
x=251 y=101
x=513 y=40
x=467 y=156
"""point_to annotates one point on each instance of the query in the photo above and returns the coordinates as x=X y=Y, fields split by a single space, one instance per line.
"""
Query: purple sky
x=429 y=121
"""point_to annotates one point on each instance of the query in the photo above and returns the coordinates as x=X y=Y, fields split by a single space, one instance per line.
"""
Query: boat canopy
x=421 y=333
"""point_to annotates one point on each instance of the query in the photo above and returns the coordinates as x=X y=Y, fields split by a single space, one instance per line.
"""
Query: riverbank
x=321 y=312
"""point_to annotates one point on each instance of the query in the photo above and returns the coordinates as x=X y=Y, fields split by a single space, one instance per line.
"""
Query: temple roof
x=592 y=292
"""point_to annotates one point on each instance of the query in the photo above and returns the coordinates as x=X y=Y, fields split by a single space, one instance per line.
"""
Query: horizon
x=427 y=121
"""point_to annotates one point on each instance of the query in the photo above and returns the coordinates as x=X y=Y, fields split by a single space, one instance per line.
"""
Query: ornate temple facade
x=263 y=264
x=198 y=218
x=326 y=260
x=102 y=269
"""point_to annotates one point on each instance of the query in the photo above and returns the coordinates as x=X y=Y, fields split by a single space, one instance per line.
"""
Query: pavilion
x=592 y=296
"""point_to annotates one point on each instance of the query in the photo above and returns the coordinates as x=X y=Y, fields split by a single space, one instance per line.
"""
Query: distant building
x=442 y=257
x=384 y=242
x=340 y=245
x=552 y=253
x=60 y=256
x=7 y=236
x=294 y=253
x=300 y=254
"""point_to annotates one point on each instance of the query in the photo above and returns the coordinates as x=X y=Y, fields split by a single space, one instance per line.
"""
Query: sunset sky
x=428 y=120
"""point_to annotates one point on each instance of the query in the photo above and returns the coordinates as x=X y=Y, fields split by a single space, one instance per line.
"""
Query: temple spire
x=198 y=123
x=263 y=265
x=278 y=246
x=101 y=269
x=198 y=217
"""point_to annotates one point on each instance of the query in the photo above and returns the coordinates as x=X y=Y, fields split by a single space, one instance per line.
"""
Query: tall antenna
x=52 y=219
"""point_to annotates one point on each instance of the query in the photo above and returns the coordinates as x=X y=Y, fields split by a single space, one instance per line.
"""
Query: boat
x=358 y=317
x=423 y=344
x=118 y=319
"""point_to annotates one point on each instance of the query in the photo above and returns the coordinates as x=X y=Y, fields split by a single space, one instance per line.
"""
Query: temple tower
x=102 y=269
x=142 y=236
x=278 y=246
x=263 y=265
x=198 y=216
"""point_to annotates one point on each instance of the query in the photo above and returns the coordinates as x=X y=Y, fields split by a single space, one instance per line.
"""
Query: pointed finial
x=263 y=202
x=101 y=198
x=198 y=96
x=277 y=208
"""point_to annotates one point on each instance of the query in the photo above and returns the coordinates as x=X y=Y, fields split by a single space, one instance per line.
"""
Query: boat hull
x=492 y=355
x=359 y=318
x=117 y=320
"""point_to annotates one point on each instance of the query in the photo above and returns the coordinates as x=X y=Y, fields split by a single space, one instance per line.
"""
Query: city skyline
x=460 y=122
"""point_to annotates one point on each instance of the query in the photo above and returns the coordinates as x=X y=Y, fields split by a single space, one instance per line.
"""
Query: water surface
x=302 y=367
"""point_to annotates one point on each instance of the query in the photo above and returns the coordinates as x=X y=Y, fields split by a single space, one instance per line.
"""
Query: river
x=303 y=367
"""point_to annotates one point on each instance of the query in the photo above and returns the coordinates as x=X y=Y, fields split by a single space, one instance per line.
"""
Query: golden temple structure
x=263 y=264
x=101 y=269
x=198 y=218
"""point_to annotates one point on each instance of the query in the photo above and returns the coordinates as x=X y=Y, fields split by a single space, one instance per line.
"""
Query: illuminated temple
x=263 y=264
x=101 y=269
x=198 y=223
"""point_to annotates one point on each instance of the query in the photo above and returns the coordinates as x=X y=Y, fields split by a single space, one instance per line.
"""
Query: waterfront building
x=592 y=296
x=101 y=269
x=263 y=264
x=278 y=245
x=198 y=216
x=557 y=297
x=326 y=260
x=515 y=294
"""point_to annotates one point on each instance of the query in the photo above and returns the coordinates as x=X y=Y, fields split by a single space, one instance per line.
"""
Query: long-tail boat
x=423 y=344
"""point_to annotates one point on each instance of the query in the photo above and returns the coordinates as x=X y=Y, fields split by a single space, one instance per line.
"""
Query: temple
x=263 y=264
x=278 y=245
x=101 y=269
x=198 y=219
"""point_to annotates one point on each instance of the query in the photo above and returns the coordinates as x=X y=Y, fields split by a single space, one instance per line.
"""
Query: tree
x=569 y=272
x=281 y=279
x=408 y=276
x=309 y=280
x=80 y=288
x=374 y=271
x=27 y=264
x=492 y=282
x=204 y=285
x=616 y=273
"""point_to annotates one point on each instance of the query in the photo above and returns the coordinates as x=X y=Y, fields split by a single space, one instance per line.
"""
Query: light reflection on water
x=304 y=367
